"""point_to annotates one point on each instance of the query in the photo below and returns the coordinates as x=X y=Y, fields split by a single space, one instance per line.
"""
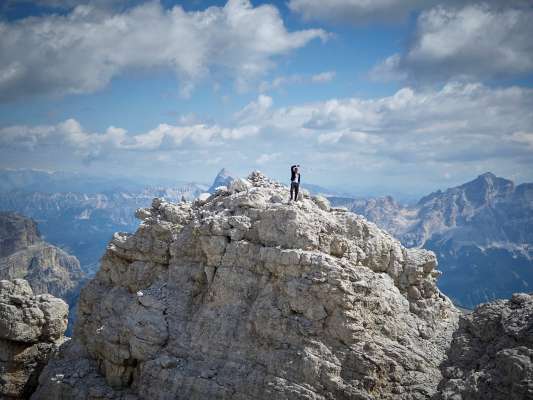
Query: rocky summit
x=31 y=327
x=243 y=296
x=491 y=355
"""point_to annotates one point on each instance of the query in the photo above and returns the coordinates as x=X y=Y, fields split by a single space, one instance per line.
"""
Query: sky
x=372 y=97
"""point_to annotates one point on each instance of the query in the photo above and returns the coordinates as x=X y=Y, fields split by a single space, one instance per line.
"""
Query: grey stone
x=491 y=355
x=31 y=327
x=245 y=298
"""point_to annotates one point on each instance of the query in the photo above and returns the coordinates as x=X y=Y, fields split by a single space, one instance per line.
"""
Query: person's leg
x=292 y=190
x=296 y=190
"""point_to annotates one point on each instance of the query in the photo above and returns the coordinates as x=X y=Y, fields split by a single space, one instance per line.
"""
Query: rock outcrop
x=491 y=355
x=242 y=296
x=47 y=268
x=31 y=327
x=16 y=233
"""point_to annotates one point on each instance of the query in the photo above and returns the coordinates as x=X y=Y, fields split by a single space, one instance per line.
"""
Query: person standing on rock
x=295 y=182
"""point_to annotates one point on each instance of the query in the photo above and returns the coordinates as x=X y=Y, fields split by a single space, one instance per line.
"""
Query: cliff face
x=16 y=233
x=242 y=296
x=31 y=327
x=491 y=355
x=25 y=255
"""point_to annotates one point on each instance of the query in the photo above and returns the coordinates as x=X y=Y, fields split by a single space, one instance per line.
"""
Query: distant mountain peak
x=223 y=178
x=487 y=175
x=224 y=172
x=486 y=187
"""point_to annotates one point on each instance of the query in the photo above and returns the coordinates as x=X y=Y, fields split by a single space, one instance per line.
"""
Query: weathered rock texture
x=242 y=296
x=16 y=233
x=24 y=255
x=30 y=328
x=491 y=355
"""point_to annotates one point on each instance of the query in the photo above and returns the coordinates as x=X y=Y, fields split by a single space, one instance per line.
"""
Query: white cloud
x=255 y=110
x=355 y=11
x=281 y=82
x=474 y=42
x=327 y=76
x=523 y=138
x=267 y=158
x=91 y=145
x=456 y=129
x=446 y=125
x=83 y=50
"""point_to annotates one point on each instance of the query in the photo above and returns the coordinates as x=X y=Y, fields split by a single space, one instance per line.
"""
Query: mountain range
x=84 y=213
x=481 y=232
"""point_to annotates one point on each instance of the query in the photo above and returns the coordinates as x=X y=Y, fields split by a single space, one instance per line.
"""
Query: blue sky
x=376 y=97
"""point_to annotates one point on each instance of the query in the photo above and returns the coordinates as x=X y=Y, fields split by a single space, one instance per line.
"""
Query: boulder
x=491 y=355
x=31 y=327
x=240 y=185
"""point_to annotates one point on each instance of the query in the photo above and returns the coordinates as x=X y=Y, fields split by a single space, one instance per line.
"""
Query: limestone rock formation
x=491 y=355
x=30 y=328
x=24 y=255
x=242 y=296
x=16 y=233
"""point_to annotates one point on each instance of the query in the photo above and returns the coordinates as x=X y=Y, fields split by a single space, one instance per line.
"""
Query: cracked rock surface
x=31 y=327
x=243 y=296
x=491 y=355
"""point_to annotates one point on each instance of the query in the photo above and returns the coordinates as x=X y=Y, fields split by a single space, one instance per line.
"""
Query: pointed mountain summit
x=223 y=178
x=486 y=188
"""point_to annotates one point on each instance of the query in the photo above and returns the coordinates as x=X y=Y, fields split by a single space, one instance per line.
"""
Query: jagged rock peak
x=244 y=296
x=491 y=355
x=223 y=178
x=30 y=328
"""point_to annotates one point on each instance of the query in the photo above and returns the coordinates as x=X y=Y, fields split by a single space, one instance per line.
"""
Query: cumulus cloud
x=357 y=12
x=474 y=42
x=84 y=49
x=459 y=127
x=267 y=158
x=91 y=145
x=281 y=82
x=525 y=138
x=413 y=125
x=323 y=77
x=68 y=4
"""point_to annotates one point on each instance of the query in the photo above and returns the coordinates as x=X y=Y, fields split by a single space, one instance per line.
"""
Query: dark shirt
x=295 y=177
